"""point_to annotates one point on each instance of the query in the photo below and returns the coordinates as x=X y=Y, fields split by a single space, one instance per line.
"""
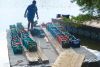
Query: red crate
x=62 y=38
x=18 y=43
x=66 y=37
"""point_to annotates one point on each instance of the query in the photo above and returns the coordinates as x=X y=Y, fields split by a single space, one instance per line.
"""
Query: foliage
x=92 y=6
x=78 y=20
x=70 y=22
x=82 y=18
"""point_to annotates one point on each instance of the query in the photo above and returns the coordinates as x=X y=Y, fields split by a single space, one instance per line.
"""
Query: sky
x=12 y=11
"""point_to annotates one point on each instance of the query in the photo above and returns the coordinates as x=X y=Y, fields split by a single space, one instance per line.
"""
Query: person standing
x=30 y=14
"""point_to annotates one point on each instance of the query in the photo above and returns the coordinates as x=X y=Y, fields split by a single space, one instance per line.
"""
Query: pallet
x=59 y=49
x=37 y=57
x=27 y=58
x=14 y=60
x=69 y=58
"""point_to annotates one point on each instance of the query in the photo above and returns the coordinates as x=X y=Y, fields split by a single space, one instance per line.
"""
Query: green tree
x=91 y=6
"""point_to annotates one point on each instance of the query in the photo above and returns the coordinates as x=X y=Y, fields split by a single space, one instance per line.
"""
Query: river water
x=12 y=11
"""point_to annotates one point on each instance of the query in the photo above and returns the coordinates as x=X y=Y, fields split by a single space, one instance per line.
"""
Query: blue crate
x=74 y=43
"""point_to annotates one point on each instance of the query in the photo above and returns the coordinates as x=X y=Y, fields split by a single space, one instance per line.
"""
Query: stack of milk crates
x=28 y=43
x=15 y=40
x=65 y=40
x=72 y=40
x=20 y=37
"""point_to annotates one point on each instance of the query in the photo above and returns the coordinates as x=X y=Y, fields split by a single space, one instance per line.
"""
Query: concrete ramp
x=69 y=58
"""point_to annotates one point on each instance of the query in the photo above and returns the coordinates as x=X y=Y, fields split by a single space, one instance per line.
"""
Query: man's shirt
x=32 y=9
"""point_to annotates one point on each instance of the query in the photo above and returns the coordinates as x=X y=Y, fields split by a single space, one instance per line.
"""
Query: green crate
x=17 y=49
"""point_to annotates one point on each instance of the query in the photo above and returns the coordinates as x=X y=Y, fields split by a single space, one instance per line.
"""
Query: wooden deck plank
x=32 y=56
x=54 y=43
x=42 y=56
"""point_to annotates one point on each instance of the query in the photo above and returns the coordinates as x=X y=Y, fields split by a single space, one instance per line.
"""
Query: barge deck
x=51 y=49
